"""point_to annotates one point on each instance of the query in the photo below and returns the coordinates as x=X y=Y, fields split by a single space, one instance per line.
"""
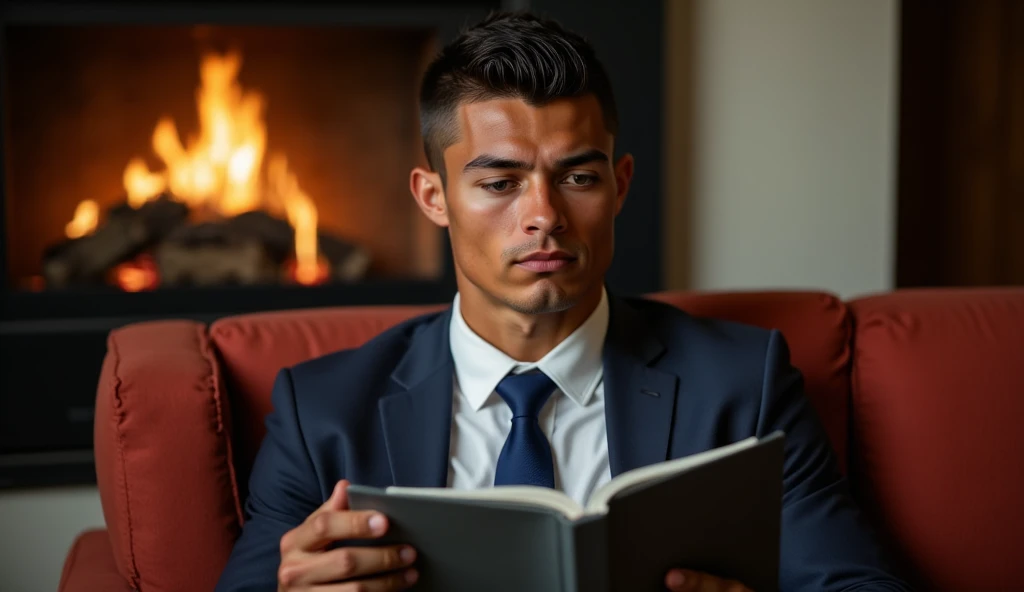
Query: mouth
x=545 y=261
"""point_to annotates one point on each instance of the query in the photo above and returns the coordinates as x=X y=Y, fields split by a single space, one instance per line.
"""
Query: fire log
x=125 y=233
x=214 y=253
x=348 y=262
x=159 y=216
x=275 y=234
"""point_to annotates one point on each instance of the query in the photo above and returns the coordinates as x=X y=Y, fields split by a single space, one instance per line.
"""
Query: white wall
x=37 y=527
x=785 y=173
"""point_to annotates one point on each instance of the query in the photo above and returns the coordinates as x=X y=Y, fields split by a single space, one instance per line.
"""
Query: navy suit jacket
x=381 y=415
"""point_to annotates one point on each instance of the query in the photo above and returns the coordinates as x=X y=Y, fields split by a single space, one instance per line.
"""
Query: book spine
x=585 y=555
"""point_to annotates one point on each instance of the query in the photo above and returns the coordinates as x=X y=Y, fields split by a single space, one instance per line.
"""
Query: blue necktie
x=525 y=458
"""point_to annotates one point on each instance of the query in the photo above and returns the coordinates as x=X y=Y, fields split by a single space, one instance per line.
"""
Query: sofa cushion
x=938 y=399
x=163 y=457
x=817 y=328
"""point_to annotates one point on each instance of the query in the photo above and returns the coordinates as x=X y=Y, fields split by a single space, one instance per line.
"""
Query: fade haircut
x=508 y=55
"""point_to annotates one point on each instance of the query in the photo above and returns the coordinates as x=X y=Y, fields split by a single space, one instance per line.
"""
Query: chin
x=543 y=297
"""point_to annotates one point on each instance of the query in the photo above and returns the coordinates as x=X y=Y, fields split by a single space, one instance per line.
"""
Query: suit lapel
x=639 y=399
x=416 y=413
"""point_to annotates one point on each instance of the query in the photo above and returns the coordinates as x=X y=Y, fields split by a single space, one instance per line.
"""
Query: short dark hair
x=508 y=55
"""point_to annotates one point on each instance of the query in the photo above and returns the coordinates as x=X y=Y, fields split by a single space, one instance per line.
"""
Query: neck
x=522 y=336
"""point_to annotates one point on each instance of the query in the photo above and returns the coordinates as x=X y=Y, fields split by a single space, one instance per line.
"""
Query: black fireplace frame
x=52 y=343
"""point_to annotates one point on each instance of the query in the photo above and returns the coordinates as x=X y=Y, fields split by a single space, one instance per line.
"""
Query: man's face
x=531 y=200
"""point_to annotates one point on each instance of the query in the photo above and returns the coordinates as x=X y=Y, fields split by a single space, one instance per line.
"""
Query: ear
x=623 y=177
x=428 y=192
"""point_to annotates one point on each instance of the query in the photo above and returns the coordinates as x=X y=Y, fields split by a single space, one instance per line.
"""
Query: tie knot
x=526 y=393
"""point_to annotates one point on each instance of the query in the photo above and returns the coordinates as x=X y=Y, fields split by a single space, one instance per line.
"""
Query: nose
x=540 y=210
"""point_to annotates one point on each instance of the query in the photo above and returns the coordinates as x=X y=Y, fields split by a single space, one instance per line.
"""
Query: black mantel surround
x=52 y=343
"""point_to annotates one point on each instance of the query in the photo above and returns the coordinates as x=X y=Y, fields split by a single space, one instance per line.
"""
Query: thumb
x=339 y=497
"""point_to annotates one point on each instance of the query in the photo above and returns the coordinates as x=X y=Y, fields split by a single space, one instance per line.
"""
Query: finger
x=336 y=502
x=388 y=583
x=345 y=564
x=684 y=580
x=324 y=528
x=678 y=580
x=339 y=497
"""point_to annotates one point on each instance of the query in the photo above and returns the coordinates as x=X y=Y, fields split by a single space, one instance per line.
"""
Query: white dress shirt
x=572 y=419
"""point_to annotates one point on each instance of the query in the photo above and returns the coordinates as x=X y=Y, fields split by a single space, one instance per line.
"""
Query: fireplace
x=143 y=158
x=165 y=161
x=165 y=164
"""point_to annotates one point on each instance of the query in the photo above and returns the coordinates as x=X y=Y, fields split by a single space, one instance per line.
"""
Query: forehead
x=512 y=128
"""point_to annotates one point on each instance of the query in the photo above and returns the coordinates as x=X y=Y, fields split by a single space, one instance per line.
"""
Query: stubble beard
x=546 y=300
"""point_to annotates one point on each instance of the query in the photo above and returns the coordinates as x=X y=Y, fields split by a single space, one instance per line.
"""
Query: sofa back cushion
x=937 y=454
x=254 y=347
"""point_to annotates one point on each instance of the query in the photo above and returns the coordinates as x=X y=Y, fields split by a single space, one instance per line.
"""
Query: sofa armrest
x=90 y=567
x=163 y=457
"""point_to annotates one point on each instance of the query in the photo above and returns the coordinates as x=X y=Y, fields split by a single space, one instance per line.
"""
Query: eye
x=503 y=186
x=580 y=180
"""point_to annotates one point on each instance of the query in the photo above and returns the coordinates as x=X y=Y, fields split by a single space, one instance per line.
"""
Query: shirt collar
x=574 y=365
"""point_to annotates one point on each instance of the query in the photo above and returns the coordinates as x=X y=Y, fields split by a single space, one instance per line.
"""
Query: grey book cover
x=722 y=517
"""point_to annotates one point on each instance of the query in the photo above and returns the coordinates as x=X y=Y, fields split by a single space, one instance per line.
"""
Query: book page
x=598 y=502
x=515 y=494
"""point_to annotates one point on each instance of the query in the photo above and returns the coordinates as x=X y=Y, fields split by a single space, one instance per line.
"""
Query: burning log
x=159 y=216
x=276 y=234
x=347 y=261
x=214 y=253
x=125 y=234
x=250 y=248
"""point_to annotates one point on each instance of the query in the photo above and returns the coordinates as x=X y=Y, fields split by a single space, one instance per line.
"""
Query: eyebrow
x=488 y=161
x=583 y=158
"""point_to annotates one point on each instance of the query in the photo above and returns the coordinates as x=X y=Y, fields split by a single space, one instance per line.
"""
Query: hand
x=306 y=565
x=682 y=580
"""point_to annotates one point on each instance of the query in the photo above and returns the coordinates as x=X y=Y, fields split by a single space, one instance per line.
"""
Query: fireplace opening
x=147 y=157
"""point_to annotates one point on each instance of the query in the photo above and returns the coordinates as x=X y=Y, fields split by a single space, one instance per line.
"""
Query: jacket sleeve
x=283 y=491
x=826 y=543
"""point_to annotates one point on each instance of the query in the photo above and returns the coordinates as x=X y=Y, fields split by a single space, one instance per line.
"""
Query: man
x=535 y=374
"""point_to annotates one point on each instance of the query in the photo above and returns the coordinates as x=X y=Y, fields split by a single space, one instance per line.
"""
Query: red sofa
x=922 y=393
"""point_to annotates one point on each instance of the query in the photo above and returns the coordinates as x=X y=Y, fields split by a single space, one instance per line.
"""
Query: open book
x=560 y=502
x=717 y=511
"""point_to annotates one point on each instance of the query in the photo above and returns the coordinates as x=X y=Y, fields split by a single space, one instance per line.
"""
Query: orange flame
x=219 y=170
x=84 y=221
x=302 y=216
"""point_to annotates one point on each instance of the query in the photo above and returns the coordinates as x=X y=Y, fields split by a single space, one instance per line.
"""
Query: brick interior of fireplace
x=340 y=104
